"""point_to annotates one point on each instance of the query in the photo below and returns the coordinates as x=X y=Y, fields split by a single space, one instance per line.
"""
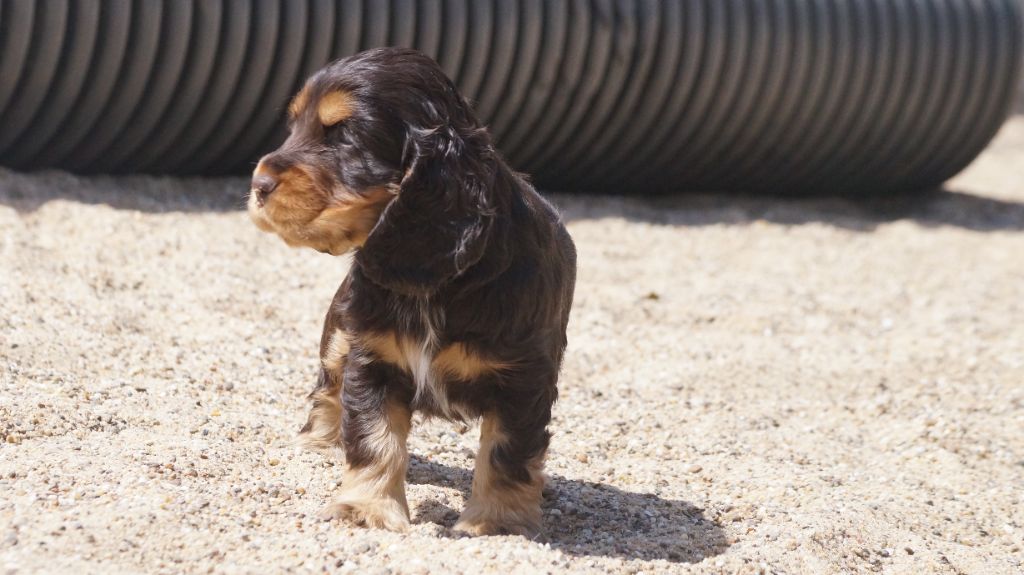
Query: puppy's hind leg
x=322 y=431
x=508 y=479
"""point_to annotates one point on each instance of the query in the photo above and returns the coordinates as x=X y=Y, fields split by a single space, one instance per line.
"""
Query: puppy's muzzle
x=262 y=186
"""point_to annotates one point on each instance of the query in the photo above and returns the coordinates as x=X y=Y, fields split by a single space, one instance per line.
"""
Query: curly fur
x=458 y=297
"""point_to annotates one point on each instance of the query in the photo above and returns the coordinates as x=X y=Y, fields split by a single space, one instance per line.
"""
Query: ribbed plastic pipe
x=631 y=96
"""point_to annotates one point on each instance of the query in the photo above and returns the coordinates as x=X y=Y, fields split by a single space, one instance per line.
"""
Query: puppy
x=459 y=292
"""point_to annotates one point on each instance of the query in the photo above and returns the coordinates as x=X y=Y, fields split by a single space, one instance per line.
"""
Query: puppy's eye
x=339 y=134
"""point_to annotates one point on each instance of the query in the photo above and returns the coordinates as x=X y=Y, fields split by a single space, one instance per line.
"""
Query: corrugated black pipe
x=789 y=96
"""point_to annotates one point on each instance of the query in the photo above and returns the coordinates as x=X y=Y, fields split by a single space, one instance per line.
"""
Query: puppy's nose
x=263 y=185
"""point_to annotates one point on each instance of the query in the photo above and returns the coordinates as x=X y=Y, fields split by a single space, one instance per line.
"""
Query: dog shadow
x=583 y=518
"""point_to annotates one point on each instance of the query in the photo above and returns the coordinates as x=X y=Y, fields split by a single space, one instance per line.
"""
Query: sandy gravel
x=752 y=385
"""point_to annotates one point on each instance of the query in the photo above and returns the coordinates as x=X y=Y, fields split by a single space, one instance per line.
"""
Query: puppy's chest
x=420 y=352
x=418 y=355
x=447 y=367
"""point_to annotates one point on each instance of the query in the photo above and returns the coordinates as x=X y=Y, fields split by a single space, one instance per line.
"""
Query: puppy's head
x=383 y=154
x=327 y=184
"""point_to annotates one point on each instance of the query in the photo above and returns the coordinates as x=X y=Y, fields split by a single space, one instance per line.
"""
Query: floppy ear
x=439 y=224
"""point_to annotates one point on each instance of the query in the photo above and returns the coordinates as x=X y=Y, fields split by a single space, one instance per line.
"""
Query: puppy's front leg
x=375 y=426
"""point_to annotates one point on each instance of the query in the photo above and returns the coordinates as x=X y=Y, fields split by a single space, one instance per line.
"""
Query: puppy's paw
x=477 y=526
x=378 y=514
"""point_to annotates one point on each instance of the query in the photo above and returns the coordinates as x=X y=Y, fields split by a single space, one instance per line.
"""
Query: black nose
x=263 y=185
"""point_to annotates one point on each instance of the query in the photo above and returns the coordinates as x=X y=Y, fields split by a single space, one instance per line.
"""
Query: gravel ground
x=752 y=385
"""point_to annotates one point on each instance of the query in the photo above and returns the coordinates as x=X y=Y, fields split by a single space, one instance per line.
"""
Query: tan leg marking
x=374 y=495
x=322 y=431
x=336 y=352
x=499 y=506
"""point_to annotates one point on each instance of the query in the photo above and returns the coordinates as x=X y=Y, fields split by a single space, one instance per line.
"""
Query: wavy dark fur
x=466 y=253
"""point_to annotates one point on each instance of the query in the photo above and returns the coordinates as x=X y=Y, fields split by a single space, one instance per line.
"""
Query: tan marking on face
x=305 y=212
x=498 y=505
x=297 y=199
x=346 y=226
x=298 y=103
x=335 y=107
x=374 y=495
x=458 y=361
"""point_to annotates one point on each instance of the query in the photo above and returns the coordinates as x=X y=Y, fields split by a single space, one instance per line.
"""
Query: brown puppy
x=457 y=300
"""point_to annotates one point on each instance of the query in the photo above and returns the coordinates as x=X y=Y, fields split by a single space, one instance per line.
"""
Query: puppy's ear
x=439 y=224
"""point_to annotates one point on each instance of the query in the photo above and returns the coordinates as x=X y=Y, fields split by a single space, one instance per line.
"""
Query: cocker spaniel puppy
x=459 y=292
